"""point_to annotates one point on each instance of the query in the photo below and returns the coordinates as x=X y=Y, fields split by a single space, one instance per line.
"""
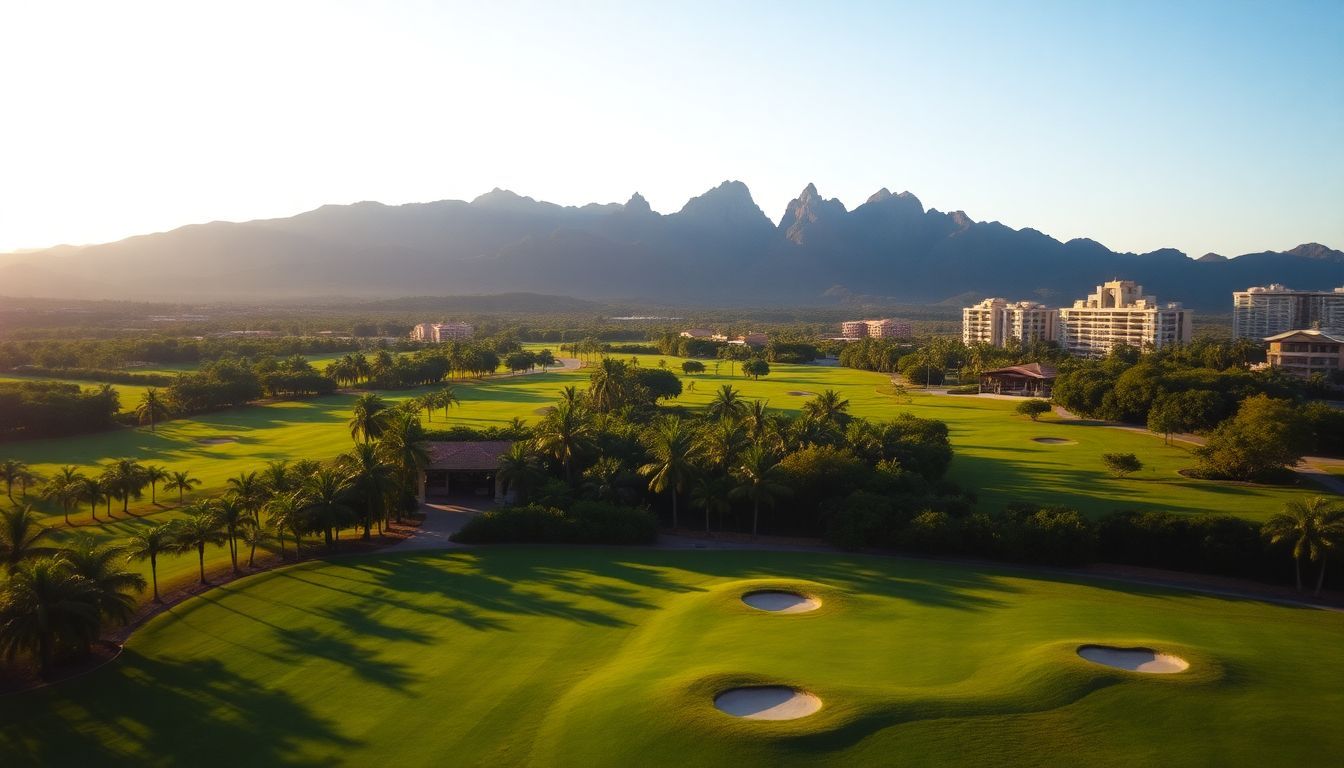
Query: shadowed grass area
x=544 y=656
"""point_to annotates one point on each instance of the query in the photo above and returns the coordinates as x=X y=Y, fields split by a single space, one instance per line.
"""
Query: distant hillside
x=719 y=249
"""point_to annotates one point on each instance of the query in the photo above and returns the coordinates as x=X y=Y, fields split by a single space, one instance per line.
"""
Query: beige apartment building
x=441 y=332
x=997 y=321
x=886 y=328
x=1303 y=353
x=1264 y=311
x=1119 y=314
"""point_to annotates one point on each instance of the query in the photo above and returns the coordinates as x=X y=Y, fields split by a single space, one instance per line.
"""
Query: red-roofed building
x=1030 y=380
x=465 y=467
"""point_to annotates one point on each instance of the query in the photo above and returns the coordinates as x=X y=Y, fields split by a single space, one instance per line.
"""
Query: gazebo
x=1030 y=380
x=463 y=467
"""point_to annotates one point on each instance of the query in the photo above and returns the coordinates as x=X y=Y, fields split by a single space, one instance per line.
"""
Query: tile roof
x=467 y=455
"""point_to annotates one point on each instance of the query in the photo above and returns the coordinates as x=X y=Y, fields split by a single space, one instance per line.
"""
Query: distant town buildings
x=441 y=332
x=876 y=329
x=752 y=339
x=1306 y=352
x=697 y=333
x=1265 y=311
x=997 y=321
x=1119 y=314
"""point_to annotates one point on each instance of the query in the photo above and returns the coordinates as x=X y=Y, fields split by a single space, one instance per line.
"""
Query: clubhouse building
x=464 y=468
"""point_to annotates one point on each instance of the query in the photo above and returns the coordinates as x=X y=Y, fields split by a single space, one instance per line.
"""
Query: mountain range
x=719 y=249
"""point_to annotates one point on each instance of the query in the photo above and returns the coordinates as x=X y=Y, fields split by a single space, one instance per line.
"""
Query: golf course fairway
x=613 y=657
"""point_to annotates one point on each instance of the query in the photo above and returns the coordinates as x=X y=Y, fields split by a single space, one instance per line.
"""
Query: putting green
x=585 y=657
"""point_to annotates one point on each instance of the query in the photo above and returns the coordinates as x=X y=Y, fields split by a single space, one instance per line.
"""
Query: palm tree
x=181 y=482
x=199 y=528
x=11 y=471
x=127 y=477
x=369 y=417
x=148 y=544
x=45 y=604
x=519 y=471
x=671 y=443
x=91 y=490
x=403 y=446
x=1313 y=527
x=760 y=479
x=372 y=480
x=827 y=408
x=231 y=512
x=254 y=536
x=711 y=494
x=607 y=479
x=726 y=404
x=65 y=487
x=277 y=477
x=565 y=434
x=283 y=513
x=154 y=474
x=721 y=441
x=20 y=533
x=446 y=398
x=251 y=492
x=325 y=498
x=757 y=420
x=151 y=408
x=27 y=478
x=114 y=587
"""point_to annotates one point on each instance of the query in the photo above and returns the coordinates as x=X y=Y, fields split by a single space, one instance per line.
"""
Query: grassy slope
x=610 y=657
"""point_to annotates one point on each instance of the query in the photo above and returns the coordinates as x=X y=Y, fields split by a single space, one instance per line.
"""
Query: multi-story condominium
x=1303 y=353
x=886 y=328
x=1272 y=309
x=997 y=321
x=1119 y=314
x=441 y=332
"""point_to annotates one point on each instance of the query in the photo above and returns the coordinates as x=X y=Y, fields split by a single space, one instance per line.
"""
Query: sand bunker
x=1134 y=659
x=802 y=393
x=781 y=601
x=767 y=702
x=217 y=440
x=1053 y=440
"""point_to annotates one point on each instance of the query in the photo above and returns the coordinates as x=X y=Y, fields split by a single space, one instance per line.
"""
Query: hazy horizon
x=1204 y=127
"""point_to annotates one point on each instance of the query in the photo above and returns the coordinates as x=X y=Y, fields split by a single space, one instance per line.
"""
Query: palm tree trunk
x=1297 y=567
x=233 y=551
x=1320 y=577
x=755 y=516
x=252 y=556
x=200 y=552
x=65 y=507
x=154 y=575
x=674 y=507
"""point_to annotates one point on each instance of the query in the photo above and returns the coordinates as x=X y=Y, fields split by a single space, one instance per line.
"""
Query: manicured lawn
x=996 y=456
x=519 y=656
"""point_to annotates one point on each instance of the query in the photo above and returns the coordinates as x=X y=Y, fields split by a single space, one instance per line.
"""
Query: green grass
x=995 y=454
x=519 y=656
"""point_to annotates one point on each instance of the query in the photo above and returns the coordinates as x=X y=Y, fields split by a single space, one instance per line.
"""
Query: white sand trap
x=802 y=393
x=1134 y=659
x=1053 y=440
x=767 y=702
x=217 y=440
x=780 y=601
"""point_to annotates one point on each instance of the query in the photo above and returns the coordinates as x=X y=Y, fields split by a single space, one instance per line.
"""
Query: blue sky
x=1201 y=126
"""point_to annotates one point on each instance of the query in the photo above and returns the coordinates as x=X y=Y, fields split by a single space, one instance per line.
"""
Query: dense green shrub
x=32 y=409
x=587 y=522
x=964 y=389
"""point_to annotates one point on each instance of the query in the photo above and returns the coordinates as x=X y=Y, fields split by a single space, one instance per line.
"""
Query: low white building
x=441 y=332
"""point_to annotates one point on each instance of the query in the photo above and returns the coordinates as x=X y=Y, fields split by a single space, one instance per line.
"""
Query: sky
x=1204 y=126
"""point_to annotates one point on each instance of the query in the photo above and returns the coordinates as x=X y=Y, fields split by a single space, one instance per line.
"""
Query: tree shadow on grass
x=307 y=643
x=142 y=710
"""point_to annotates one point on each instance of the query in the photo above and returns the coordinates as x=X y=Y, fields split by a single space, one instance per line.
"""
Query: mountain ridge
x=719 y=247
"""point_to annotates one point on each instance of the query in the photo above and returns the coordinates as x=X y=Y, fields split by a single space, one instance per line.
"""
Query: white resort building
x=997 y=321
x=441 y=332
x=1119 y=314
x=1272 y=309
x=886 y=328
